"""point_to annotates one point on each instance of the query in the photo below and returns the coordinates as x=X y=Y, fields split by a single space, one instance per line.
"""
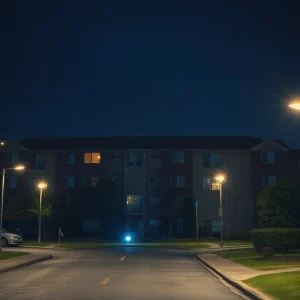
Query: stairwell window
x=134 y=159
x=92 y=158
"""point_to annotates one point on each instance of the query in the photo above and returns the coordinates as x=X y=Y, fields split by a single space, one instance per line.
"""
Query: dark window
x=69 y=158
x=154 y=180
x=40 y=161
x=268 y=157
x=177 y=157
x=154 y=200
x=177 y=181
x=15 y=158
x=116 y=156
x=154 y=156
x=90 y=181
x=179 y=202
x=211 y=160
x=268 y=180
x=179 y=225
x=134 y=159
x=70 y=181
x=11 y=182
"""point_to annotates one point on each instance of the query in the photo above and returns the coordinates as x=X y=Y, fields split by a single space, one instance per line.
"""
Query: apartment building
x=155 y=176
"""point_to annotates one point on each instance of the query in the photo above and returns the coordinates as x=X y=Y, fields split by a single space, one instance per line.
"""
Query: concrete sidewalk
x=235 y=273
x=21 y=261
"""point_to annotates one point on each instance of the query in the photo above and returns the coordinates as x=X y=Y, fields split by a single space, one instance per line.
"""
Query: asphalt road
x=115 y=273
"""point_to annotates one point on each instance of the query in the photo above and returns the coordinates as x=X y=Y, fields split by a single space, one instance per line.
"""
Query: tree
x=279 y=205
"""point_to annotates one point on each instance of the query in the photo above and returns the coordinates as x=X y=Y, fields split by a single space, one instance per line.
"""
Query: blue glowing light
x=128 y=238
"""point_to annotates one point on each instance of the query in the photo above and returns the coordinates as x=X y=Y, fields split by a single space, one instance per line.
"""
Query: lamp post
x=41 y=185
x=221 y=178
x=196 y=206
x=295 y=105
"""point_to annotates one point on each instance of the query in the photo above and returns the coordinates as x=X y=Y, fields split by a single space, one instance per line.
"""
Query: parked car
x=8 y=238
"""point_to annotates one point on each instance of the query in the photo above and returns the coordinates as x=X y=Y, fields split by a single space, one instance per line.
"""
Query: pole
x=221 y=215
x=2 y=197
x=40 y=215
x=196 y=205
x=58 y=236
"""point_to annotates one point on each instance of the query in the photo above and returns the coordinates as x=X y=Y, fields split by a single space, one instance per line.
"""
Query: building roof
x=145 y=142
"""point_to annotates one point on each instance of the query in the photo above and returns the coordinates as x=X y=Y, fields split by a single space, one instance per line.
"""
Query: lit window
x=268 y=157
x=177 y=157
x=154 y=156
x=69 y=158
x=210 y=183
x=116 y=156
x=70 y=181
x=154 y=180
x=134 y=159
x=92 y=158
x=268 y=180
x=134 y=203
x=154 y=200
x=177 y=181
x=211 y=160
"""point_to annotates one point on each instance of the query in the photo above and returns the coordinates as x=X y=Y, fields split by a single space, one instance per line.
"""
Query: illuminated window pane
x=87 y=158
x=96 y=157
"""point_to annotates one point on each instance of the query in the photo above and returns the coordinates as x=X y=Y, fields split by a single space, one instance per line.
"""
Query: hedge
x=280 y=239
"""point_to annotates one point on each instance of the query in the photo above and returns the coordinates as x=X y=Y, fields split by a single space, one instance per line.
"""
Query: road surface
x=127 y=273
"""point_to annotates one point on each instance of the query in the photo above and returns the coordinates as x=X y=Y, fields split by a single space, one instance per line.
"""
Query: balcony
x=134 y=204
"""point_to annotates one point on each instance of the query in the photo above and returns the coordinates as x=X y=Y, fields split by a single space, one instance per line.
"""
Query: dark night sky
x=93 y=68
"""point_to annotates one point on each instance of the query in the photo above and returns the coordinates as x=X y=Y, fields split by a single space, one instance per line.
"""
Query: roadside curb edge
x=24 y=264
x=248 y=291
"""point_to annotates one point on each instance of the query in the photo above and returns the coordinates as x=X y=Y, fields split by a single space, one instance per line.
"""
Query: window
x=154 y=156
x=69 y=158
x=210 y=183
x=15 y=157
x=134 y=203
x=70 y=181
x=116 y=156
x=268 y=157
x=92 y=158
x=154 y=223
x=177 y=157
x=154 y=180
x=116 y=179
x=12 y=182
x=134 y=159
x=154 y=200
x=179 y=223
x=40 y=161
x=177 y=181
x=211 y=160
x=179 y=201
x=90 y=181
x=268 y=180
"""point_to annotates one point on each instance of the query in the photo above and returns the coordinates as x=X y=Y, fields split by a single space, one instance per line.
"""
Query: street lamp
x=17 y=168
x=41 y=185
x=221 y=178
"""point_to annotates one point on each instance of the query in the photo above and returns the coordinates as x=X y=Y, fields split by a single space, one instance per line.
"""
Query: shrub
x=267 y=252
x=280 y=239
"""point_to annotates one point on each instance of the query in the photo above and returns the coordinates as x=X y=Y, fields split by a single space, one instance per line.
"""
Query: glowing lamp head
x=19 y=167
x=42 y=185
x=220 y=178
x=295 y=105
x=2 y=143
x=128 y=238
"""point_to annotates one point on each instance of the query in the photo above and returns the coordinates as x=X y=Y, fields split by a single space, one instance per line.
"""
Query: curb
x=24 y=264
x=245 y=289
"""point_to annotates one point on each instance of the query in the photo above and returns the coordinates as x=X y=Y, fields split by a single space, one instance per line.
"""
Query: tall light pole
x=221 y=178
x=41 y=185
x=17 y=168
x=196 y=206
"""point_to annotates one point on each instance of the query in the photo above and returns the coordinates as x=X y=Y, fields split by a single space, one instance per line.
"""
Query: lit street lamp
x=295 y=105
x=221 y=178
x=41 y=185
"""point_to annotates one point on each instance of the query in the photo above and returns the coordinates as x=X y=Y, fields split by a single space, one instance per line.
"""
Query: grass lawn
x=237 y=243
x=7 y=255
x=249 y=258
x=34 y=243
x=90 y=244
x=280 y=286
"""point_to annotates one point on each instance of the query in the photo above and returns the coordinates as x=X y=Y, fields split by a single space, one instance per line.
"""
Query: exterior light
x=220 y=178
x=19 y=168
x=295 y=105
x=2 y=143
x=42 y=185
